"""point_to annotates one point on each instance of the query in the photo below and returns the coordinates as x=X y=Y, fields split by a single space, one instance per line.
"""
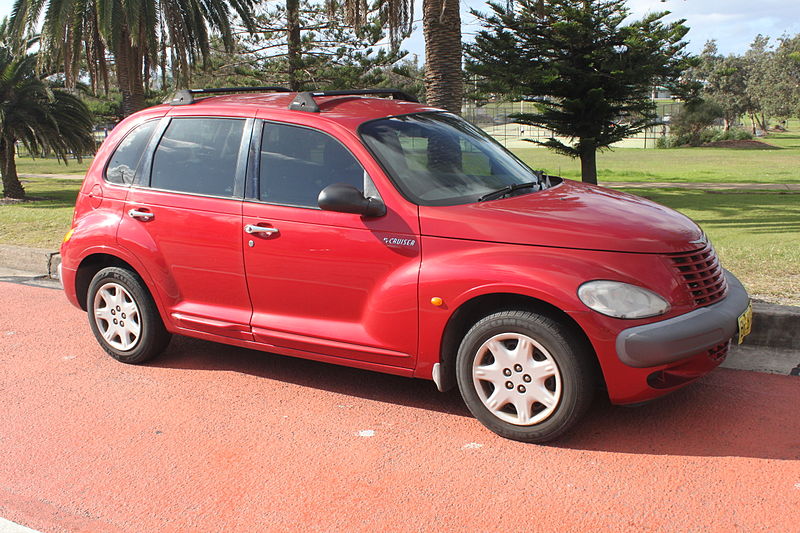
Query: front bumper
x=683 y=336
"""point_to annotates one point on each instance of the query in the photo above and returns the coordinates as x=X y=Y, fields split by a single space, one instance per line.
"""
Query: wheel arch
x=90 y=266
x=472 y=310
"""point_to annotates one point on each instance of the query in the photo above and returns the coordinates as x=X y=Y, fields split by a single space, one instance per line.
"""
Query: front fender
x=458 y=271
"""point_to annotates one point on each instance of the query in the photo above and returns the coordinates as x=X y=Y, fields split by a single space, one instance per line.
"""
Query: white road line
x=7 y=526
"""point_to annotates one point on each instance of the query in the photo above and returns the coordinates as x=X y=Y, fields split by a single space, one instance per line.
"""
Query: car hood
x=568 y=215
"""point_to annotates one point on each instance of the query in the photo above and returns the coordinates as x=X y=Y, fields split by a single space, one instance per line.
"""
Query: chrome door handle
x=250 y=228
x=141 y=215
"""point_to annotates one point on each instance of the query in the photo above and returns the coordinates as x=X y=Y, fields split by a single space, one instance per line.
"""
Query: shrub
x=707 y=135
x=690 y=124
x=733 y=134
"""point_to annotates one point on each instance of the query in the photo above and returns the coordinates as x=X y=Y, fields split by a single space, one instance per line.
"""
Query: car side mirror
x=347 y=199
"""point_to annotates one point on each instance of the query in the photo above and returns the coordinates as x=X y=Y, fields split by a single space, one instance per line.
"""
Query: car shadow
x=728 y=413
x=194 y=354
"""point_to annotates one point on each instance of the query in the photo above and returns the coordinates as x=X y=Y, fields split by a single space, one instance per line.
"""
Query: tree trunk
x=129 y=60
x=441 y=26
x=293 y=42
x=762 y=123
x=163 y=61
x=589 y=165
x=12 y=188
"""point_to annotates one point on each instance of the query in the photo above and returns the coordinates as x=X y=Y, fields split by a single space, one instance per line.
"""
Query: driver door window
x=297 y=163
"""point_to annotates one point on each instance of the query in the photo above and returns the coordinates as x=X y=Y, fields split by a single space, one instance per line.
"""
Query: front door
x=336 y=284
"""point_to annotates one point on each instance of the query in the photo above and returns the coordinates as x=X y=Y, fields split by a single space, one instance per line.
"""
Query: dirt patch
x=746 y=144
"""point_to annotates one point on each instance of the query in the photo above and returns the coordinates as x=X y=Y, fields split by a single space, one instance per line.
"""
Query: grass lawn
x=40 y=165
x=757 y=234
x=42 y=223
x=697 y=165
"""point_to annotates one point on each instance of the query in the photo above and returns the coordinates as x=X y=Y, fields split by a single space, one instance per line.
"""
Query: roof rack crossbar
x=304 y=101
x=186 y=96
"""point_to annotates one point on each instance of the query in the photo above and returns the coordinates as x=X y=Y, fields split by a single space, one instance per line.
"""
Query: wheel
x=524 y=376
x=123 y=316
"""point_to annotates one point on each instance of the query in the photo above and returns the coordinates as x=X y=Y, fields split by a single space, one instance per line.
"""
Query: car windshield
x=441 y=159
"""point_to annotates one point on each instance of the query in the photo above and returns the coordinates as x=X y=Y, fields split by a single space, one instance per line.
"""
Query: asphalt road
x=214 y=438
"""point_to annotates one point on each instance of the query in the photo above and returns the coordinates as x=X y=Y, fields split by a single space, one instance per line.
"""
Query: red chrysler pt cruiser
x=387 y=235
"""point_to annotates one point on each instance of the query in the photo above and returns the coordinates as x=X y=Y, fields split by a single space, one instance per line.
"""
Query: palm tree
x=441 y=27
x=42 y=119
x=136 y=32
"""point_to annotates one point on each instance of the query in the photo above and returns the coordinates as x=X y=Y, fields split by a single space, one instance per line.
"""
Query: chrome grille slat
x=702 y=274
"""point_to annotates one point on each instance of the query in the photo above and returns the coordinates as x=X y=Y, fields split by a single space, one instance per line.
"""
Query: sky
x=732 y=23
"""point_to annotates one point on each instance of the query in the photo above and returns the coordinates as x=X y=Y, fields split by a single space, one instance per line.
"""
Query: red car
x=383 y=234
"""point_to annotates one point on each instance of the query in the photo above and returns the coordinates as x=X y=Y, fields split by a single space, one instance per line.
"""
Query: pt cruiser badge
x=394 y=241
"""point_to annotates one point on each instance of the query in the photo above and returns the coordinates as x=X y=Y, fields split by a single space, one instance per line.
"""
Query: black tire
x=126 y=289
x=569 y=389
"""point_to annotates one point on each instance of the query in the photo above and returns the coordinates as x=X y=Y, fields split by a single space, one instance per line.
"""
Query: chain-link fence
x=494 y=118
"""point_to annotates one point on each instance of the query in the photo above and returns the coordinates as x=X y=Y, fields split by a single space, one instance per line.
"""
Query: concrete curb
x=36 y=261
x=775 y=326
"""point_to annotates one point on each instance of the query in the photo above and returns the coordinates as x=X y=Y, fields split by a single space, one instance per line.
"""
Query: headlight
x=621 y=300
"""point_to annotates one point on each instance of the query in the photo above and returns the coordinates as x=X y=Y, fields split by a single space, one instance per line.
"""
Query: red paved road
x=212 y=438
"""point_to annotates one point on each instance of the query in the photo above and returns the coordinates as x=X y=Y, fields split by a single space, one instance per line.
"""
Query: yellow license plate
x=745 y=323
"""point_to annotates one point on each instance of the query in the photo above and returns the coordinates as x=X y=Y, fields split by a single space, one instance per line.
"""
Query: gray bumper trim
x=682 y=336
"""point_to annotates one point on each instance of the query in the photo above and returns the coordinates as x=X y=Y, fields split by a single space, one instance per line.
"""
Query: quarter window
x=198 y=155
x=123 y=164
x=297 y=163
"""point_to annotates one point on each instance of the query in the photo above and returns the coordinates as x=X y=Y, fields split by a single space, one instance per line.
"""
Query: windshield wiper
x=508 y=189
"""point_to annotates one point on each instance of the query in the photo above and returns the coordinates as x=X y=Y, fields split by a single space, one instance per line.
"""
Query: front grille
x=702 y=274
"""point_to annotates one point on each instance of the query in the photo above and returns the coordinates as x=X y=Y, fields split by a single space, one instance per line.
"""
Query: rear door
x=184 y=221
x=337 y=284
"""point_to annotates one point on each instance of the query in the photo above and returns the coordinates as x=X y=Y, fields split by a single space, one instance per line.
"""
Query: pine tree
x=307 y=46
x=590 y=71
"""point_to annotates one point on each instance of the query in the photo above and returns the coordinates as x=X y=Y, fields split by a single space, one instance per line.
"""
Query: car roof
x=348 y=110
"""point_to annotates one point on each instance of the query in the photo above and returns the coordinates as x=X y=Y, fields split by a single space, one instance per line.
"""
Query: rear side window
x=123 y=164
x=297 y=163
x=198 y=155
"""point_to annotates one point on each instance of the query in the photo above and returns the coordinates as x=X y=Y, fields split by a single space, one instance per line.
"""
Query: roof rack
x=304 y=101
x=186 y=96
